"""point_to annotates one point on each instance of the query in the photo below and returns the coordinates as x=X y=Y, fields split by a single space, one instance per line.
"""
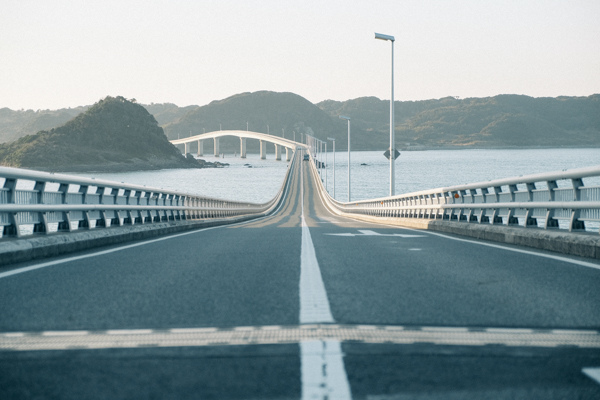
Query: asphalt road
x=249 y=275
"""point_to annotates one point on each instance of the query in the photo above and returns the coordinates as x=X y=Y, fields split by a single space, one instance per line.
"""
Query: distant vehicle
x=306 y=157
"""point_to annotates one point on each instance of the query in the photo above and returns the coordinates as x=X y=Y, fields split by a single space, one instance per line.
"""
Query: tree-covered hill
x=114 y=134
x=499 y=121
x=18 y=123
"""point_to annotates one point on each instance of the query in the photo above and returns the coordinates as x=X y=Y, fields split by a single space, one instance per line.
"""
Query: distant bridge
x=289 y=145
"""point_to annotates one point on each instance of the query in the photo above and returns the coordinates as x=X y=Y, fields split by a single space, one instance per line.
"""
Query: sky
x=60 y=53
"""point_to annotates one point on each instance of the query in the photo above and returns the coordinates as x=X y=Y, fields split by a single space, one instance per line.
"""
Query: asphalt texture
x=248 y=275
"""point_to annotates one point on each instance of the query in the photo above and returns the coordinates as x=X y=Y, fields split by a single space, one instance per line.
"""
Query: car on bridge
x=305 y=157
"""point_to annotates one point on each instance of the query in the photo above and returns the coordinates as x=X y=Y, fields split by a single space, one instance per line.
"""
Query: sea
x=255 y=180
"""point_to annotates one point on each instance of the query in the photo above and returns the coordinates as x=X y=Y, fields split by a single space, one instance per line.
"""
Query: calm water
x=415 y=170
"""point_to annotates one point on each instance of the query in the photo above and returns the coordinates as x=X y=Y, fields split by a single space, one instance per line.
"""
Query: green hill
x=114 y=134
x=499 y=121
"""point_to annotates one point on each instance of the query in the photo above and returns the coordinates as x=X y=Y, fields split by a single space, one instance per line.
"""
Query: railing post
x=530 y=188
x=42 y=225
x=13 y=228
x=551 y=187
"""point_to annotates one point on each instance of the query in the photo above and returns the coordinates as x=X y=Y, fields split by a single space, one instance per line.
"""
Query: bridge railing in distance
x=532 y=201
x=84 y=203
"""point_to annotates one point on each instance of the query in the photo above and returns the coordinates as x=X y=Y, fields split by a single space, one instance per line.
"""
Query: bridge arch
x=289 y=145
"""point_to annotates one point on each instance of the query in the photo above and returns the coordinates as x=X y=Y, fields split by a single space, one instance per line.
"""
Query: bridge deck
x=211 y=298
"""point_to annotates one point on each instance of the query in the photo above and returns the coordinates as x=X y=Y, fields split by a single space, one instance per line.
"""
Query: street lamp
x=348 y=119
x=392 y=144
x=333 y=140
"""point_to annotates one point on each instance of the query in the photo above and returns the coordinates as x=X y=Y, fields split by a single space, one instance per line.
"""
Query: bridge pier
x=200 y=148
x=185 y=149
x=263 y=150
x=216 y=146
x=243 y=147
x=288 y=154
x=277 y=153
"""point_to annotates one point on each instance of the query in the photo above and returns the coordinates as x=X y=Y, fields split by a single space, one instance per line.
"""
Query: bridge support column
x=216 y=147
x=288 y=154
x=200 y=148
x=277 y=153
x=185 y=149
x=243 y=147
x=263 y=150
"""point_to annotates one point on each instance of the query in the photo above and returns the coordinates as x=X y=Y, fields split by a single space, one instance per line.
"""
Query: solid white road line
x=314 y=305
x=323 y=372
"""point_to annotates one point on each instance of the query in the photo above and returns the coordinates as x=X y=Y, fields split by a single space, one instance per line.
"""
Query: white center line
x=323 y=372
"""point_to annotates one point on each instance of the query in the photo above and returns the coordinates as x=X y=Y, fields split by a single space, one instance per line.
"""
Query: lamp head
x=381 y=36
x=344 y=117
x=330 y=138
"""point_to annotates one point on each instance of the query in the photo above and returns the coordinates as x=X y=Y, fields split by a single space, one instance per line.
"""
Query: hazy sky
x=60 y=53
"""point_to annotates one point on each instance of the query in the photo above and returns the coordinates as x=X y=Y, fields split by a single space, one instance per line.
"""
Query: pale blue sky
x=62 y=53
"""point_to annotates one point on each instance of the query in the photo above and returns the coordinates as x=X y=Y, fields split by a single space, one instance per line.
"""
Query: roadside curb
x=31 y=248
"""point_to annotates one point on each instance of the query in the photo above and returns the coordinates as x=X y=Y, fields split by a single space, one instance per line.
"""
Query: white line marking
x=443 y=329
x=593 y=373
x=129 y=332
x=323 y=373
x=415 y=249
x=65 y=333
x=508 y=330
x=130 y=246
x=573 y=332
x=314 y=305
x=192 y=330
x=373 y=233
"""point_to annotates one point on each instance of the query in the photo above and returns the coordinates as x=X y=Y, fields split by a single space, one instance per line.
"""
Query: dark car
x=305 y=157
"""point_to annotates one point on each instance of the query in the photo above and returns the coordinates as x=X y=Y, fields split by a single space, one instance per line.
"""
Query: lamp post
x=267 y=129
x=392 y=144
x=348 y=119
x=333 y=140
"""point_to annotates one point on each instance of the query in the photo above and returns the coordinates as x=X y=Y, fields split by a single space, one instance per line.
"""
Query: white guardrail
x=536 y=200
x=84 y=203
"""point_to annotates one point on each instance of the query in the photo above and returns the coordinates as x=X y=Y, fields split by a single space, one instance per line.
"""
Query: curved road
x=289 y=274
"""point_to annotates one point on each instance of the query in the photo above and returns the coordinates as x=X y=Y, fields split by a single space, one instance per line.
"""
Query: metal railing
x=532 y=201
x=84 y=203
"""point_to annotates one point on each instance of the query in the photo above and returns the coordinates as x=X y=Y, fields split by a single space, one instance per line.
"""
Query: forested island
x=113 y=135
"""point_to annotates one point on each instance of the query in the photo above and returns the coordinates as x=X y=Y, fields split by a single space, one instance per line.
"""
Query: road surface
x=132 y=321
